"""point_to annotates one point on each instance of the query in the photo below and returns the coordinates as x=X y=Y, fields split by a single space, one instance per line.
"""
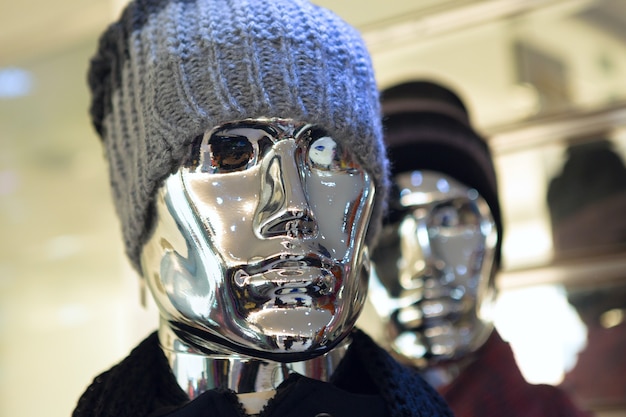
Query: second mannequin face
x=433 y=268
x=260 y=240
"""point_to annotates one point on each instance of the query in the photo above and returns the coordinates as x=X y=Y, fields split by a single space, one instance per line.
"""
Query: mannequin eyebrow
x=253 y=134
x=258 y=133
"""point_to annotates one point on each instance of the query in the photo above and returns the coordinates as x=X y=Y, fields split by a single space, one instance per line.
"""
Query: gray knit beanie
x=168 y=70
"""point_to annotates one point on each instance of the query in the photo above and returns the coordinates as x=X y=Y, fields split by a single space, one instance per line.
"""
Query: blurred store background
x=545 y=80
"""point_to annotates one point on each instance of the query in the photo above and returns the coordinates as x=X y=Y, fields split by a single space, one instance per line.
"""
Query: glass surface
x=512 y=62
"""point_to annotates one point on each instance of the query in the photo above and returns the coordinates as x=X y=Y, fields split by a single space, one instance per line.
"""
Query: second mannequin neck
x=442 y=375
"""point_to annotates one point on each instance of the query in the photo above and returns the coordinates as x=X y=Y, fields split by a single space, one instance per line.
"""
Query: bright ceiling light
x=15 y=82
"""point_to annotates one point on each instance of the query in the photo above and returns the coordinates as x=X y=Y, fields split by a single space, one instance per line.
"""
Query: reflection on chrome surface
x=432 y=285
x=258 y=248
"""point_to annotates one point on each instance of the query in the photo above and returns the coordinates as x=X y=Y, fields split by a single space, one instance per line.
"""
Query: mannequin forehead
x=416 y=188
x=274 y=128
x=278 y=128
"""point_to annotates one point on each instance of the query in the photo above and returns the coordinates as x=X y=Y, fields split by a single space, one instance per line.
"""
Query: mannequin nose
x=284 y=208
x=416 y=252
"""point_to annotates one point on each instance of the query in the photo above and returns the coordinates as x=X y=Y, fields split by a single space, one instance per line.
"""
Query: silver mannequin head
x=434 y=266
x=259 y=245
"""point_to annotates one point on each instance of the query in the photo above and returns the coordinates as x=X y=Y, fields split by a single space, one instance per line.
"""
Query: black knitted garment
x=142 y=385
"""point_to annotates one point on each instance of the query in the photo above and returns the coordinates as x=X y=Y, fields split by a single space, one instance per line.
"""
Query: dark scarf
x=367 y=380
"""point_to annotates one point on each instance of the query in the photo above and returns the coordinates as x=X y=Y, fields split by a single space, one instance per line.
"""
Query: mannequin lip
x=288 y=281
x=284 y=269
x=429 y=312
x=438 y=291
x=311 y=279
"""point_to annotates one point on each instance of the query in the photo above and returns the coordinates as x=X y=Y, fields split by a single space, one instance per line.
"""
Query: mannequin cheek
x=186 y=285
x=182 y=284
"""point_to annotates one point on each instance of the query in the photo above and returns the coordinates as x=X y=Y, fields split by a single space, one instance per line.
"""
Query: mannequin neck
x=443 y=374
x=253 y=380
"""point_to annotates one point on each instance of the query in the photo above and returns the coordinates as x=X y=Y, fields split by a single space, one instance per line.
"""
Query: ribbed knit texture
x=367 y=367
x=140 y=384
x=168 y=70
x=143 y=385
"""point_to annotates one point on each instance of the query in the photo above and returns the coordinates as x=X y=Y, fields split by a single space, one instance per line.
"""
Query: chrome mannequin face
x=433 y=268
x=259 y=247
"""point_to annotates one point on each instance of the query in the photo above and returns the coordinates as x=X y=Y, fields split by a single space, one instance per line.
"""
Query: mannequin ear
x=366 y=262
x=142 y=292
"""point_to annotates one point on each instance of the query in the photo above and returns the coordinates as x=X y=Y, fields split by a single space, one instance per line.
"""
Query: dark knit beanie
x=427 y=127
x=168 y=70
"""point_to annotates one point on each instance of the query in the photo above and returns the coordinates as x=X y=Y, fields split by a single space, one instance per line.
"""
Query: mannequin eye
x=230 y=153
x=455 y=214
x=323 y=153
x=445 y=216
